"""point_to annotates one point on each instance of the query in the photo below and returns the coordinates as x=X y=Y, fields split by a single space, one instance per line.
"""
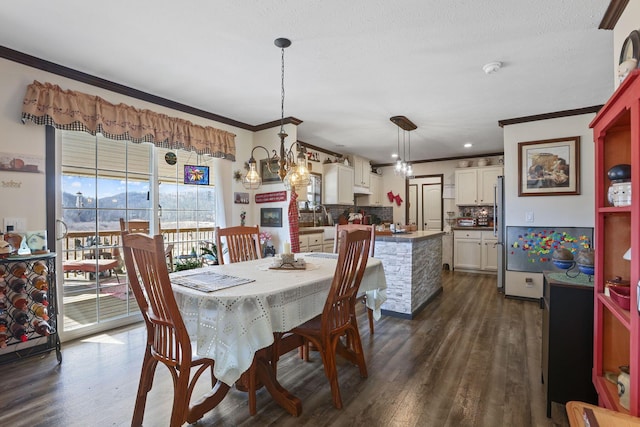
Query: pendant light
x=292 y=169
x=404 y=168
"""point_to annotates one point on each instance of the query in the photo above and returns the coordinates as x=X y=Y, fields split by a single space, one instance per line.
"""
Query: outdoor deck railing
x=78 y=245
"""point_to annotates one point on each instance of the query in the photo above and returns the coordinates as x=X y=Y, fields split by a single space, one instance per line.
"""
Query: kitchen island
x=413 y=269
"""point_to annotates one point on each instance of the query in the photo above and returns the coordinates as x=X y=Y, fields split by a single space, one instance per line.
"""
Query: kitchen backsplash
x=475 y=211
x=382 y=214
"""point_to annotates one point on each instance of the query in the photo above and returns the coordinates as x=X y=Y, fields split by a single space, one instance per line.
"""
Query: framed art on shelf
x=549 y=167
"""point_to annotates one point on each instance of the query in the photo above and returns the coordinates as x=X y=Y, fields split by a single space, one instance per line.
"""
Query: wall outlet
x=18 y=224
x=528 y=282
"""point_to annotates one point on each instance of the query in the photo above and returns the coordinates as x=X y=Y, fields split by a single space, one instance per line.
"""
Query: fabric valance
x=48 y=104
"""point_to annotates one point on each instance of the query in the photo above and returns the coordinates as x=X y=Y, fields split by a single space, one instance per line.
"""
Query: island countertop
x=412 y=236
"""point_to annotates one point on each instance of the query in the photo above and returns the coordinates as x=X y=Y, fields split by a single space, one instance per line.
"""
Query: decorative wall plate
x=170 y=158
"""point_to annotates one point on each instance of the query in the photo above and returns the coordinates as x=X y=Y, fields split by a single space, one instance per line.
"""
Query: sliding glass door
x=101 y=181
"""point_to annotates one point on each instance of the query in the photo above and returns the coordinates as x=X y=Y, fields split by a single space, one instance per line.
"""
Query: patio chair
x=167 y=337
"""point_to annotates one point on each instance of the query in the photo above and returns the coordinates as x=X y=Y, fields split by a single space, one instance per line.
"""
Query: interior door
x=432 y=206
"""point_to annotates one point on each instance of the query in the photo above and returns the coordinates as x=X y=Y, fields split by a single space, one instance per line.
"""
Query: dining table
x=234 y=311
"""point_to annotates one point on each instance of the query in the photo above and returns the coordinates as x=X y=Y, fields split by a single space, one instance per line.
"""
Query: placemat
x=209 y=281
x=580 y=279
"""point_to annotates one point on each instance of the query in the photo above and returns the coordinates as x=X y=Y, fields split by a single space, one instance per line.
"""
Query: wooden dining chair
x=243 y=243
x=167 y=338
x=338 y=317
x=371 y=229
x=142 y=226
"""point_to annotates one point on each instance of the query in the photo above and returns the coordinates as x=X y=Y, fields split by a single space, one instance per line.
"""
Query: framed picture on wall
x=267 y=175
x=270 y=217
x=549 y=167
x=197 y=175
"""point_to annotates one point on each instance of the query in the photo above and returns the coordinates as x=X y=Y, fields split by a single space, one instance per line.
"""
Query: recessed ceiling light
x=468 y=145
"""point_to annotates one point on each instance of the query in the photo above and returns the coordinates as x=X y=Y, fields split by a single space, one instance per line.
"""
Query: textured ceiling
x=352 y=65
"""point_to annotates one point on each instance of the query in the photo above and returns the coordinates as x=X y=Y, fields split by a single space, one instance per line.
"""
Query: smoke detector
x=492 y=67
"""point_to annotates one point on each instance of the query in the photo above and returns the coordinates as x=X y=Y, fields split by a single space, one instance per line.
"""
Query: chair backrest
x=243 y=243
x=353 y=253
x=134 y=226
x=350 y=227
x=149 y=280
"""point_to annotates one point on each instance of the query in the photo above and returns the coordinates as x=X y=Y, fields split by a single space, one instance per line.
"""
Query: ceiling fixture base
x=492 y=67
x=282 y=42
x=403 y=123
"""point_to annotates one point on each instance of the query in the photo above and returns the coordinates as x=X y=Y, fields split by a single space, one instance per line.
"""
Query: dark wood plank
x=471 y=358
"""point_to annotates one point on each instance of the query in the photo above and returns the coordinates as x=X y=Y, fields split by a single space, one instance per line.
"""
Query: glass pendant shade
x=297 y=176
x=398 y=167
x=252 y=180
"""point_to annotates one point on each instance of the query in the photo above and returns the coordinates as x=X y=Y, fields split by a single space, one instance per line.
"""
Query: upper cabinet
x=475 y=186
x=362 y=170
x=337 y=188
x=374 y=198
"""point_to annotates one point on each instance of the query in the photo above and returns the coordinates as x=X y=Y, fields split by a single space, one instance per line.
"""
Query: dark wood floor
x=471 y=358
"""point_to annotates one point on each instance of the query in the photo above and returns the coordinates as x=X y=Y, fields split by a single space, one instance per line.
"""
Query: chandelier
x=292 y=174
x=403 y=167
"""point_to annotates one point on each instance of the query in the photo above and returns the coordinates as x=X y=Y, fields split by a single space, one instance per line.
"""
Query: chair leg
x=180 y=398
x=356 y=348
x=146 y=381
x=370 y=316
x=328 y=353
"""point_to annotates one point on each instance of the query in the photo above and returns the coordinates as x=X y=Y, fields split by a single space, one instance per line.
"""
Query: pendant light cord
x=282 y=95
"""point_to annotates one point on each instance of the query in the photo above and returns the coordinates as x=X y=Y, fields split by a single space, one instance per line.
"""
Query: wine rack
x=28 y=307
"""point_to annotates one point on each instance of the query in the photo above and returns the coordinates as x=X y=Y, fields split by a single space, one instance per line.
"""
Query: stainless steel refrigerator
x=499 y=230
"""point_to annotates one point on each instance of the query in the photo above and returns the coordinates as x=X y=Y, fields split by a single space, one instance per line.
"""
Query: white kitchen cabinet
x=362 y=172
x=475 y=250
x=311 y=242
x=466 y=249
x=375 y=187
x=475 y=186
x=337 y=184
x=489 y=255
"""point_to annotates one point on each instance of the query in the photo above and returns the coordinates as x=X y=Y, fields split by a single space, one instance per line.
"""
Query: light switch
x=528 y=217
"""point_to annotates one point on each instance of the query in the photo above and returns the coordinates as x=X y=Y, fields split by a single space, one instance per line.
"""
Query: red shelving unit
x=616 y=133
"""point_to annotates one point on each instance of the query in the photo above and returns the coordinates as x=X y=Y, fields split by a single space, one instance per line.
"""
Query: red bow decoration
x=390 y=196
x=398 y=199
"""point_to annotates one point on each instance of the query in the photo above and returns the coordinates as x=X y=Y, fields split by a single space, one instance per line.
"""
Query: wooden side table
x=604 y=417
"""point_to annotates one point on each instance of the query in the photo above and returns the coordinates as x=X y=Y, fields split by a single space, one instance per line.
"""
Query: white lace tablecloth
x=231 y=324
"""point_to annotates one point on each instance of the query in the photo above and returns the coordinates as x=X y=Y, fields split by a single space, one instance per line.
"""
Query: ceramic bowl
x=621 y=296
x=562 y=264
x=464 y=163
x=483 y=162
x=586 y=269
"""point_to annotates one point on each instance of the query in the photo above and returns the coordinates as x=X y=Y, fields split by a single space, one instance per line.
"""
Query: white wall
x=556 y=211
x=23 y=194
